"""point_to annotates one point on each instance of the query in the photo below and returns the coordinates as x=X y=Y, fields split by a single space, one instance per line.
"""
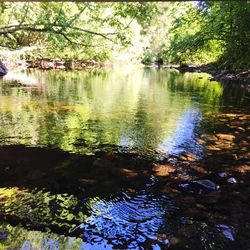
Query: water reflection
x=85 y=111
x=184 y=136
x=140 y=220
x=142 y=110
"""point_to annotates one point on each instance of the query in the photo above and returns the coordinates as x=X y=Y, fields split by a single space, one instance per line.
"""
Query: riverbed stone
x=223 y=175
x=198 y=186
x=163 y=170
x=199 y=169
x=125 y=174
x=227 y=137
x=243 y=168
x=232 y=180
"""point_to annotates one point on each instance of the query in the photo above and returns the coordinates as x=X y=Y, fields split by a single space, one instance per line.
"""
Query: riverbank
x=226 y=76
x=16 y=64
x=240 y=76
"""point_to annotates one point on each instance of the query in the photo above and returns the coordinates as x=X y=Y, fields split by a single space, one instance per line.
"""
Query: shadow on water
x=122 y=160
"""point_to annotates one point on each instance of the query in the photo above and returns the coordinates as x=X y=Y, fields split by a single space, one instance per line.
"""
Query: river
x=77 y=149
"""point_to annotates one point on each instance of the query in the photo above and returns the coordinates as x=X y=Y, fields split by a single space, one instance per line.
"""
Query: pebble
x=232 y=180
x=222 y=174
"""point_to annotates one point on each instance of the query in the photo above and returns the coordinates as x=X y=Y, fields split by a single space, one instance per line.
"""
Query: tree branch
x=28 y=27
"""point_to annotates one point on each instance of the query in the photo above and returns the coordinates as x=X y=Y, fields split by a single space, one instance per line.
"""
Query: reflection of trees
x=82 y=110
x=28 y=239
x=41 y=210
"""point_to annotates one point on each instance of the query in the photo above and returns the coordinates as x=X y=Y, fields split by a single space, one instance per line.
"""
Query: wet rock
x=199 y=186
x=162 y=170
x=243 y=168
x=206 y=184
x=209 y=137
x=191 y=157
x=188 y=157
x=227 y=137
x=213 y=148
x=199 y=169
x=200 y=141
x=169 y=190
x=87 y=182
x=232 y=180
x=125 y=174
x=182 y=158
x=223 y=175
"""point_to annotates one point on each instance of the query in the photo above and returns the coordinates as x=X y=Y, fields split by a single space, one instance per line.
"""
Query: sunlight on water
x=85 y=111
x=184 y=136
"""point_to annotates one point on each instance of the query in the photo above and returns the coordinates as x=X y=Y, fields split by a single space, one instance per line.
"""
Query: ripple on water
x=127 y=220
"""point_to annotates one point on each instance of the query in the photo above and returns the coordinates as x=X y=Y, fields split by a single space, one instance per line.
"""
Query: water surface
x=146 y=112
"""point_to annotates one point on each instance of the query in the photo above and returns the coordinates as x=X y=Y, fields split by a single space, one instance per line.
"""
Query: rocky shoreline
x=68 y=64
x=239 y=77
x=226 y=76
x=15 y=64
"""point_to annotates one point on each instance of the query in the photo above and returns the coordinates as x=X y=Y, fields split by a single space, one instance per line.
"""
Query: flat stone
x=243 y=168
x=213 y=148
x=162 y=170
x=198 y=186
x=207 y=184
x=227 y=137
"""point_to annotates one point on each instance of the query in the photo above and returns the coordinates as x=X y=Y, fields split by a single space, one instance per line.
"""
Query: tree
x=95 y=28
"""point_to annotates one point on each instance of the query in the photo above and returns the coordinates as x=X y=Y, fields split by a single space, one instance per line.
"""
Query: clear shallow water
x=144 y=111
x=135 y=108
x=125 y=221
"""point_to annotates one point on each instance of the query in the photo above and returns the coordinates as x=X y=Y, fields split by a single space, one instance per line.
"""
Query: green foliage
x=181 y=32
x=209 y=32
x=72 y=30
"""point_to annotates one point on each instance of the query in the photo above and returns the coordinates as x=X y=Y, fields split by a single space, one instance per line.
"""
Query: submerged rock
x=207 y=184
x=222 y=174
x=199 y=186
x=232 y=180
x=162 y=170
x=227 y=137
x=125 y=174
